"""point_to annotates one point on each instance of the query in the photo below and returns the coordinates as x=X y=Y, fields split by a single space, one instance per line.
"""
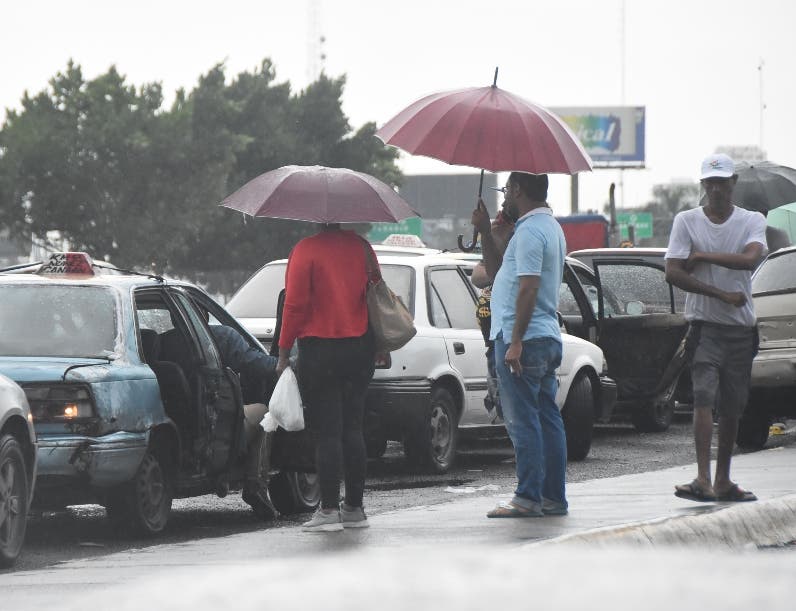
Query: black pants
x=333 y=376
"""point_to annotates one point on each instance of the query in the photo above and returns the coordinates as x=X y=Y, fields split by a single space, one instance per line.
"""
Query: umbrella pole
x=459 y=239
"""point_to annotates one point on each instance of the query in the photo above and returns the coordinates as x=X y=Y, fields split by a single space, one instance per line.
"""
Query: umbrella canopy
x=784 y=217
x=319 y=194
x=487 y=128
x=764 y=186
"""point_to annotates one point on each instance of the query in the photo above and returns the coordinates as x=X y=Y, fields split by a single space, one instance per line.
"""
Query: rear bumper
x=393 y=406
x=774 y=369
x=94 y=461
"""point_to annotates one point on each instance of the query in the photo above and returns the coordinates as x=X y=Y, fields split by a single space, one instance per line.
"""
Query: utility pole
x=316 y=56
x=762 y=100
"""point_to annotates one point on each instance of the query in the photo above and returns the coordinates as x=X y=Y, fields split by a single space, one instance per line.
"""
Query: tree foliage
x=128 y=180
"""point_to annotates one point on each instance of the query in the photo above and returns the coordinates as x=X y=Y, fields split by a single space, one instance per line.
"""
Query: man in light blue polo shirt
x=528 y=347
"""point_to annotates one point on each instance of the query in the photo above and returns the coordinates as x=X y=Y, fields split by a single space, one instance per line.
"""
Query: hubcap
x=440 y=431
x=151 y=490
x=10 y=501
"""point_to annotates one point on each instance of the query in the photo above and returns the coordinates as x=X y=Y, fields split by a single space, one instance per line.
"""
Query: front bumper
x=394 y=406
x=608 y=396
x=774 y=369
x=94 y=461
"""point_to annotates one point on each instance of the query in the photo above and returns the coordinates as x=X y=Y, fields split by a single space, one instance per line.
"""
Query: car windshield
x=257 y=298
x=60 y=321
x=776 y=274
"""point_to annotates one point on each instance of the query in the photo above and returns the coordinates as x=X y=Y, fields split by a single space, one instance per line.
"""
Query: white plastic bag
x=285 y=408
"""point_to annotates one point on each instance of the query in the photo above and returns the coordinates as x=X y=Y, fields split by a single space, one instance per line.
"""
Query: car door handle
x=458 y=348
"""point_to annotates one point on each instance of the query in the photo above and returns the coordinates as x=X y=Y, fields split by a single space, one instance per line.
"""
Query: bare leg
x=703 y=434
x=728 y=430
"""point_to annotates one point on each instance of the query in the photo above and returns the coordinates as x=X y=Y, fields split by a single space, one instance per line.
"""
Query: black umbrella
x=764 y=185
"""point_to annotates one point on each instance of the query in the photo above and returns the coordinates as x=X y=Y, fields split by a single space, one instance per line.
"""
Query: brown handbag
x=390 y=320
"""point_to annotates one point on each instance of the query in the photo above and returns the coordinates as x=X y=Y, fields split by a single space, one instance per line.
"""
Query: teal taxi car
x=131 y=404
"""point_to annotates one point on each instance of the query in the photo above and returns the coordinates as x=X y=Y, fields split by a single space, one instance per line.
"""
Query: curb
x=759 y=524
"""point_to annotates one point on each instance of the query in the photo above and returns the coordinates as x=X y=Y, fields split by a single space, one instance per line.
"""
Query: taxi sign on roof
x=403 y=239
x=68 y=263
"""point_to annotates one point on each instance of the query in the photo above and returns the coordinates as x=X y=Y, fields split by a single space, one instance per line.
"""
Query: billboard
x=612 y=135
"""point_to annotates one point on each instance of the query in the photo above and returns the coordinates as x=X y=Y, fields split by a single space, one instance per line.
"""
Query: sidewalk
x=416 y=544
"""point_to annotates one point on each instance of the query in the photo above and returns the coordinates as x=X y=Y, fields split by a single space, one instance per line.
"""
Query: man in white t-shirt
x=712 y=252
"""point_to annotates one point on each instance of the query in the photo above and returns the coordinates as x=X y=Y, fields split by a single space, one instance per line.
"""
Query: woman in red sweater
x=326 y=312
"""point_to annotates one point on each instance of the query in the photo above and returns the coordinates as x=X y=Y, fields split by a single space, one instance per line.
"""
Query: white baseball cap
x=717 y=166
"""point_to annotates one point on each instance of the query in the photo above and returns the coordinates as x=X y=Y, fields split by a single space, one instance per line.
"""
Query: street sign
x=642 y=222
x=379 y=231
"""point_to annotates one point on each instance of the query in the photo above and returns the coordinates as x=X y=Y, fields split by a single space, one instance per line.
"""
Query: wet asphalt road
x=83 y=531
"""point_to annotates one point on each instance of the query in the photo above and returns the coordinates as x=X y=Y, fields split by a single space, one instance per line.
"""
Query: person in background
x=528 y=345
x=326 y=314
x=502 y=228
x=712 y=252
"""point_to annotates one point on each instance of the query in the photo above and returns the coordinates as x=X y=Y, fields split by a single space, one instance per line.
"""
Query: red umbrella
x=488 y=128
x=319 y=194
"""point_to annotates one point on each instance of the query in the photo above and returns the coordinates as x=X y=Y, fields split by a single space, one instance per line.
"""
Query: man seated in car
x=257 y=371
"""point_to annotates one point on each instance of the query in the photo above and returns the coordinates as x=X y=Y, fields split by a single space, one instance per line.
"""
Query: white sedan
x=429 y=391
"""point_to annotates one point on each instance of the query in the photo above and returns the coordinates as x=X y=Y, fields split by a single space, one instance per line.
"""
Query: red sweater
x=326 y=282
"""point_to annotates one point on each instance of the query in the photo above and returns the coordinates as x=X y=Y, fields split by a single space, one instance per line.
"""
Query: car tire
x=753 y=428
x=578 y=416
x=431 y=444
x=294 y=491
x=14 y=497
x=149 y=496
x=654 y=416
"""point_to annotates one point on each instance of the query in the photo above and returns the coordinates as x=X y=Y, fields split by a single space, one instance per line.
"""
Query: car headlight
x=59 y=403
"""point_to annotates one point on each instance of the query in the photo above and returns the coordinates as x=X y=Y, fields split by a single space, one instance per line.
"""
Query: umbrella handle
x=471 y=246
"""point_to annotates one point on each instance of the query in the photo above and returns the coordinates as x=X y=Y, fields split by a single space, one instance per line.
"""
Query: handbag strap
x=371 y=264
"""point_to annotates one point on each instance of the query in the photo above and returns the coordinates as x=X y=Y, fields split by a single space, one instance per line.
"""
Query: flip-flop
x=510 y=510
x=736 y=494
x=693 y=492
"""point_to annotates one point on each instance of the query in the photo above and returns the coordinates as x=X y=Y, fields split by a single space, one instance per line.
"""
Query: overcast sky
x=692 y=63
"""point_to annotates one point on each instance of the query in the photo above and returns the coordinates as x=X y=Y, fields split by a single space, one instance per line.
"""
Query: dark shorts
x=721 y=365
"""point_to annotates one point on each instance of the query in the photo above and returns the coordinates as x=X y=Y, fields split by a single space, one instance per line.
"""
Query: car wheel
x=294 y=491
x=13 y=499
x=654 y=416
x=150 y=496
x=578 y=416
x=753 y=428
x=431 y=446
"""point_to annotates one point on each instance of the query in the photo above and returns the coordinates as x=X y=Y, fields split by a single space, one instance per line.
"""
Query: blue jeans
x=533 y=420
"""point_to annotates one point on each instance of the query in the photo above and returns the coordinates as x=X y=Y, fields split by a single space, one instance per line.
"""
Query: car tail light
x=60 y=403
x=383 y=360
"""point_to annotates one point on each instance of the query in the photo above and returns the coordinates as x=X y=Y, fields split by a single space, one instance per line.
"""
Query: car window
x=567 y=305
x=69 y=321
x=452 y=302
x=257 y=297
x=400 y=279
x=635 y=283
x=776 y=274
x=206 y=343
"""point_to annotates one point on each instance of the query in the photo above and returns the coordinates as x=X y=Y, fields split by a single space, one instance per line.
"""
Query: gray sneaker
x=354 y=517
x=553 y=508
x=323 y=522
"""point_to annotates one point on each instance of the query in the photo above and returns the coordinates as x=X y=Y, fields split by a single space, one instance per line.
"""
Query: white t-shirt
x=694 y=231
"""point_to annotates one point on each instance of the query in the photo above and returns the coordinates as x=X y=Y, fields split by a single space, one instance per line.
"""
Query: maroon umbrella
x=487 y=128
x=319 y=194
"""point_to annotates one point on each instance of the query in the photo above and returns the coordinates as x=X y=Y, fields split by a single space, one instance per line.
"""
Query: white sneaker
x=323 y=521
x=353 y=517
